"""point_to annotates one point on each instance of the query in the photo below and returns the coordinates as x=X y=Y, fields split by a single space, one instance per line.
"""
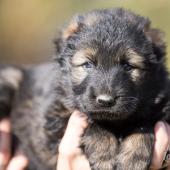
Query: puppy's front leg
x=135 y=152
x=100 y=147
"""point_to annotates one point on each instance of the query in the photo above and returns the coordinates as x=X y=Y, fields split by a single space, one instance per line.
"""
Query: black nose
x=105 y=100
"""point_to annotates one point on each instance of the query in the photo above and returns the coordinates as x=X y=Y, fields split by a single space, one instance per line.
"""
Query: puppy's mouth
x=120 y=111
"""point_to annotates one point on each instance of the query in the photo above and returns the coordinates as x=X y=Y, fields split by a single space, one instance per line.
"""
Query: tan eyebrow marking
x=78 y=74
x=136 y=75
x=83 y=56
x=79 y=58
x=135 y=59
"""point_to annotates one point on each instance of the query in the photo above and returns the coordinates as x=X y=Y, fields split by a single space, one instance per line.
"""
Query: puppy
x=110 y=64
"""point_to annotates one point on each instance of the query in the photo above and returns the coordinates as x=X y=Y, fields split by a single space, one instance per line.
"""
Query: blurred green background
x=28 y=27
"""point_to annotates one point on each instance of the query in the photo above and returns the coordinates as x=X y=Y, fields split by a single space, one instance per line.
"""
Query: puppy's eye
x=128 y=67
x=88 y=65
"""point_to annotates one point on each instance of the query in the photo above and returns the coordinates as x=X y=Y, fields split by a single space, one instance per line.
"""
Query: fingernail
x=160 y=126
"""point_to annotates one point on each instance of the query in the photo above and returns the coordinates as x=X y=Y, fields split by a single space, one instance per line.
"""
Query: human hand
x=162 y=143
x=70 y=155
x=7 y=162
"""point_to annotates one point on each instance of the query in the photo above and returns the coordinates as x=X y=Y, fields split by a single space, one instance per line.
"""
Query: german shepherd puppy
x=110 y=64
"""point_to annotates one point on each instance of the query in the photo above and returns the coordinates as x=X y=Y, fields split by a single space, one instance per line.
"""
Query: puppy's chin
x=118 y=112
x=107 y=116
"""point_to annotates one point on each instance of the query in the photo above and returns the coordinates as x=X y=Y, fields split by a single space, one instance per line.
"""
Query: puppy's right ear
x=73 y=27
x=76 y=25
x=79 y=22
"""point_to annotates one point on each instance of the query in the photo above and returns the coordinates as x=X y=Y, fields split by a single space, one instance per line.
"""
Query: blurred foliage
x=27 y=28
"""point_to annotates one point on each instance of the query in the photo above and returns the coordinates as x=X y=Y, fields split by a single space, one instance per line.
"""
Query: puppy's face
x=114 y=66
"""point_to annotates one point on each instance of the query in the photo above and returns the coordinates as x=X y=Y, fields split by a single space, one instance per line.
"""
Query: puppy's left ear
x=156 y=37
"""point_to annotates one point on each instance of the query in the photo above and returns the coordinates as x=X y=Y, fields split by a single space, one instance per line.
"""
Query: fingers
x=168 y=130
x=76 y=120
x=18 y=162
x=5 y=139
x=70 y=156
x=162 y=134
x=75 y=128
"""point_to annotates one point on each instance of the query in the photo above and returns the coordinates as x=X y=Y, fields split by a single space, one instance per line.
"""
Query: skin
x=162 y=140
x=18 y=161
x=70 y=155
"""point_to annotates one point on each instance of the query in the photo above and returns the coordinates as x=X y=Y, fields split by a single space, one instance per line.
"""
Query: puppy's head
x=115 y=60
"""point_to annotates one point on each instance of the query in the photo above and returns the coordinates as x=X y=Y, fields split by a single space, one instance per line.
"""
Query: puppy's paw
x=135 y=152
x=100 y=147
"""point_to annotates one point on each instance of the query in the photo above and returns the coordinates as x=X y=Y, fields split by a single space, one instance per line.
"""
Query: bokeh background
x=28 y=27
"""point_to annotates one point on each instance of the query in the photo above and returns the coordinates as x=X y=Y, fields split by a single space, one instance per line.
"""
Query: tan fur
x=95 y=143
x=12 y=76
x=135 y=59
x=74 y=26
x=81 y=57
x=71 y=29
x=78 y=74
x=130 y=148
x=135 y=74
x=90 y=52
x=28 y=103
